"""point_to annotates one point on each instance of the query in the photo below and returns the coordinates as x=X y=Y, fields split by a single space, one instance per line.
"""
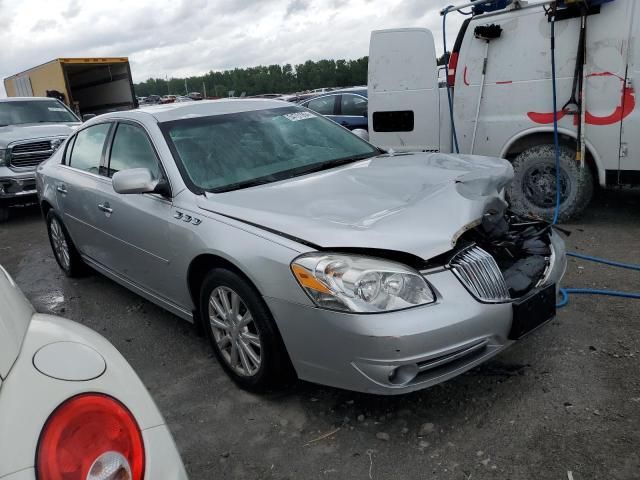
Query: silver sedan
x=303 y=250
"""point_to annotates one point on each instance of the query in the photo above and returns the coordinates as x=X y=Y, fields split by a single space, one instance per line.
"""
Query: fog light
x=404 y=374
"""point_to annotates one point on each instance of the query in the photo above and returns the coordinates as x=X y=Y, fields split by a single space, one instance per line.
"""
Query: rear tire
x=242 y=332
x=63 y=248
x=4 y=214
x=533 y=190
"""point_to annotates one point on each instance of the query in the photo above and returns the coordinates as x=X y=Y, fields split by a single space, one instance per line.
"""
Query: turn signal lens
x=90 y=437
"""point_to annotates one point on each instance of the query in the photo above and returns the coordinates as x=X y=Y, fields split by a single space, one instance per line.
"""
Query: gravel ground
x=567 y=398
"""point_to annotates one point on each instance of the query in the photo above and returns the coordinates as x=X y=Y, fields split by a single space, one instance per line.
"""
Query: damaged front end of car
x=505 y=257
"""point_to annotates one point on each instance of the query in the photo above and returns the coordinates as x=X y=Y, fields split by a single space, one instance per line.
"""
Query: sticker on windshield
x=56 y=109
x=294 y=117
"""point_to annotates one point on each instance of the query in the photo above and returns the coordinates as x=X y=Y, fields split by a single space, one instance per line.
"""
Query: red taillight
x=451 y=72
x=91 y=436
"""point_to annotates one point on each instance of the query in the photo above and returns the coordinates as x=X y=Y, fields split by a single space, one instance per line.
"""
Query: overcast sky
x=181 y=38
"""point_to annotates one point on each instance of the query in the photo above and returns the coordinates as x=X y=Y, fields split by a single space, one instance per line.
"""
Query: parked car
x=180 y=99
x=195 y=96
x=168 y=99
x=71 y=407
x=348 y=106
x=303 y=249
x=31 y=129
x=152 y=100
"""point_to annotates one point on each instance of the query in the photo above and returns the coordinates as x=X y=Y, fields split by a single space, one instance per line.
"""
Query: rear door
x=629 y=172
x=134 y=228
x=76 y=185
x=403 y=109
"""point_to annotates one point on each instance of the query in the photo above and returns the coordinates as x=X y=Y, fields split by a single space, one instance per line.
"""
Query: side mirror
x=360 y=132
x=134 y=180
x=88 y=116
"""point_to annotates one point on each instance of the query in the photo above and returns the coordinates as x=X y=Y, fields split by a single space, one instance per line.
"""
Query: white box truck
x=502 y=97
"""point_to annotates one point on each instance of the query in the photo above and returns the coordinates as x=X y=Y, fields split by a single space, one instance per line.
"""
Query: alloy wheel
x=235 y=331
x=60 y=245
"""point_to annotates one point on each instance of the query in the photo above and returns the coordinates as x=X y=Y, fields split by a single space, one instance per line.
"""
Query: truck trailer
x=500 y=77
x=86 y=85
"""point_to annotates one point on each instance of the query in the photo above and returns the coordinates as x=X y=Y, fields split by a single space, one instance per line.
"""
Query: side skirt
x=146 y=294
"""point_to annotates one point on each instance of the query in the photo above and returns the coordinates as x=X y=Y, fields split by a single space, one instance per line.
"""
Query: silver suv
x=31 y=129
x=300 y=247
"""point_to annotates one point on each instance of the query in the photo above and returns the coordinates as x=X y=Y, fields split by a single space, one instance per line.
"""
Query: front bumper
x=17 y=187
x=404 y=351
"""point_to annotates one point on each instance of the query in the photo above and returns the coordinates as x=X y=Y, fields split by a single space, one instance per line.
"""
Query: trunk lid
x=15 y=315
x=413 y=203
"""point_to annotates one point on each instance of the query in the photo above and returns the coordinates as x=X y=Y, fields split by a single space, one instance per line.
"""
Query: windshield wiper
x=294 y=172
x=244 y=184
x=317 y=167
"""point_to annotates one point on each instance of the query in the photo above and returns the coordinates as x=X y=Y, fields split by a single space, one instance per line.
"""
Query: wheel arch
x=542 y=135
x=203 y=264
x=45 y=206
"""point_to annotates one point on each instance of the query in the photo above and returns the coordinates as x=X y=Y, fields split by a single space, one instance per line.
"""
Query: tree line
x=264 y=79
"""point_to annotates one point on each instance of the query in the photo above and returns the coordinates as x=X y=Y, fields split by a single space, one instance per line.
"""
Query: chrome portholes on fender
x=186 y=218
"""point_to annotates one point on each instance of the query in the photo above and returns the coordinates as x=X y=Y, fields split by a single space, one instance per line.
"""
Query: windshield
x=226 y=152
x=34 y=111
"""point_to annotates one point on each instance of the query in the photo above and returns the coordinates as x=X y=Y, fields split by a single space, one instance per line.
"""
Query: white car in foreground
x=71 y=407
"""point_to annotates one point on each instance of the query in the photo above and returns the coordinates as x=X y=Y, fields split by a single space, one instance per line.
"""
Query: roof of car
x=22 y=99
x=203 y=108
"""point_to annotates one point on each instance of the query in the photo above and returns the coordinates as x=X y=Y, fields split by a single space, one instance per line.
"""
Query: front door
x=353 y=111
x=135 y=227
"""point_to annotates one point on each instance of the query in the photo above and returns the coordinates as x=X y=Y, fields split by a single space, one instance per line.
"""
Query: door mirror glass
x=134 y=180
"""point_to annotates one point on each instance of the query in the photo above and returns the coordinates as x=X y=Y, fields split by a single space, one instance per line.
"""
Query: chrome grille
x=480 y=274
x=30 y=154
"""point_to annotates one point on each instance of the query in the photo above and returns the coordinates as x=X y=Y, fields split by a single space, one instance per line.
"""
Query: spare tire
x=533 y=190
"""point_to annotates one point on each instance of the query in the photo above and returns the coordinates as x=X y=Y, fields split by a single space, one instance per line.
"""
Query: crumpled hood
x=15 y=316
x=12 y=133
x=414 y=203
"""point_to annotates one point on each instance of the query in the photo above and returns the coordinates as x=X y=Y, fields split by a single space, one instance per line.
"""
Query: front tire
x=243 y=333
x=63 y=248
x=533 y=190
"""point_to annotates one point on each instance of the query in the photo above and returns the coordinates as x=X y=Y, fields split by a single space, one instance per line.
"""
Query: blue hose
x=565 y=292
x=630 y=266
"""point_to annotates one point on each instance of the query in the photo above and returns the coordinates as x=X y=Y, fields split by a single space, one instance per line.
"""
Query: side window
x=87 y=148
x=354 y=105
x=132 y=149
x=322 y=105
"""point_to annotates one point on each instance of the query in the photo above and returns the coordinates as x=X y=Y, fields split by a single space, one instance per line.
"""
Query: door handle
x=62 y=188
x=105 y=207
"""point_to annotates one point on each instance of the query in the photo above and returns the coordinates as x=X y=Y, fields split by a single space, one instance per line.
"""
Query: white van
x=408 y=111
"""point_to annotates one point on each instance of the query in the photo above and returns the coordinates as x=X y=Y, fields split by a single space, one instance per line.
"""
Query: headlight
x=360 y=284
x=3 y=157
